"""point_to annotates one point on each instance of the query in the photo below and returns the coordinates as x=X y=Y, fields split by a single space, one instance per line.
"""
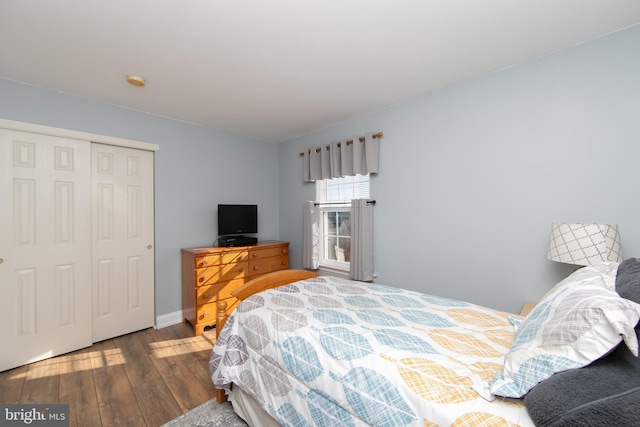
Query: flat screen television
x=237 y=219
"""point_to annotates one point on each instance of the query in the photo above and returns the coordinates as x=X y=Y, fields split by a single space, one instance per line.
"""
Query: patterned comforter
x=329 y=351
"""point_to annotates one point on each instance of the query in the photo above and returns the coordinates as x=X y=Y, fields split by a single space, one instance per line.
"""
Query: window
x=335 y=194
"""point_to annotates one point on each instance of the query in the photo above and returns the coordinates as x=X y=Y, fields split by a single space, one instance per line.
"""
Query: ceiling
x=278 y=69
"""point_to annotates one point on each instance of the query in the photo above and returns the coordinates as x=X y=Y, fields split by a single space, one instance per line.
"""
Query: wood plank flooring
x=141 y=379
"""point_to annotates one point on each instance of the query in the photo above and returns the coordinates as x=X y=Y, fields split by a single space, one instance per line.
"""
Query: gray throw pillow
x=628 y=279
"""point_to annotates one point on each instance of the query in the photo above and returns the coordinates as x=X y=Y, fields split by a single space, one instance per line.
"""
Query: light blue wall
x=195 y=169
x=472 y=176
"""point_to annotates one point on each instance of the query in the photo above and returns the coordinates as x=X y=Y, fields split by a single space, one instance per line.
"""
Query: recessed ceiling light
x=135 y=80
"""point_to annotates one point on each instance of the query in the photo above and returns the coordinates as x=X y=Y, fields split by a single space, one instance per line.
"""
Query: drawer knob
x=204 y=262
x=255 y=255
x=203 y=278
x=284 y=263
x=284 y=251
x=205 y=296
x=256 y=268
x=205 y=314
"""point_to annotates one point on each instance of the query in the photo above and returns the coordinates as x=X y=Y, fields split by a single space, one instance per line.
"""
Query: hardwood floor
x=141 y=379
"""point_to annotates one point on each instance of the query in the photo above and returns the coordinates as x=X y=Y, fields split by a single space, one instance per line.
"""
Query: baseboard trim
x=168 y=319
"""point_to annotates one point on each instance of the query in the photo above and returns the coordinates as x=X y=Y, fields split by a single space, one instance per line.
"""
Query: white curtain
x=311 y=236
x=358 y=157
x=362 y=240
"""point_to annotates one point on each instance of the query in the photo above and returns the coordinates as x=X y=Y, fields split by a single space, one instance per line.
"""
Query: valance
x=358 y=156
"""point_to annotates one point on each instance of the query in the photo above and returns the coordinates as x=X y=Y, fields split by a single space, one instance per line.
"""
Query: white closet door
x=123 y=256
x=45 y=247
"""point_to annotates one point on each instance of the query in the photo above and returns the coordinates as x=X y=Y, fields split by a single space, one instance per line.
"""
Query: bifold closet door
x=45 y=247
x=123 y=255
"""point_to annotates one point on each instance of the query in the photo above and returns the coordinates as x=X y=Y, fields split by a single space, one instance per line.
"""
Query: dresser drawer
x=212 y=293
x=221 y=273
x=267 y=265
x=266 y=253
x=220 y=258
x=207 y=312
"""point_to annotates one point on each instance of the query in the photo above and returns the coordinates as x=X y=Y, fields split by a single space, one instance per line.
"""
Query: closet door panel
x=45 y=248
x=123 y=254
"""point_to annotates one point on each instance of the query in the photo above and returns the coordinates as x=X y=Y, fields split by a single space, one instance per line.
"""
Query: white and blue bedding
x=333 y=352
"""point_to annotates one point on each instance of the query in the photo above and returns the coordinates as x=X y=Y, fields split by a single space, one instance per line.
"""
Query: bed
x=302 y=349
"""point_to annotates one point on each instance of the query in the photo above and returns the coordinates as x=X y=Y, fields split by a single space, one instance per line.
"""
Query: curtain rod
x=371 y=202
x=348 y=142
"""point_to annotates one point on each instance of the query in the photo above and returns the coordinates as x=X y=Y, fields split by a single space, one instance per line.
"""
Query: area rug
x=209 y=414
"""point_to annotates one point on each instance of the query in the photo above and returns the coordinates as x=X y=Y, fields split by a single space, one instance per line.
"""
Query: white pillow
x=580 y=320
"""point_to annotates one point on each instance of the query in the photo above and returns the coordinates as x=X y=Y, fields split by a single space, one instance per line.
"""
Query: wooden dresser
x=210 y=274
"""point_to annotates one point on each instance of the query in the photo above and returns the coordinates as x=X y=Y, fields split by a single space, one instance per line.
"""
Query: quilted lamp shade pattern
x=584 y=244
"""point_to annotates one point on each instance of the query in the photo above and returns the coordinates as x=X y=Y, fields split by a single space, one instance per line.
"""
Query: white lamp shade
x=584 y=244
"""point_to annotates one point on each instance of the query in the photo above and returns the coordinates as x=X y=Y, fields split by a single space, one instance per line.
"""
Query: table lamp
x=584 y=244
